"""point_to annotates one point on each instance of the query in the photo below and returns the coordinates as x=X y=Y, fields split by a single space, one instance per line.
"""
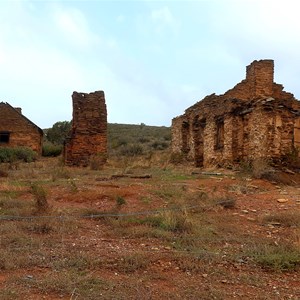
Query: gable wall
x=259 y=120
x=22 y=132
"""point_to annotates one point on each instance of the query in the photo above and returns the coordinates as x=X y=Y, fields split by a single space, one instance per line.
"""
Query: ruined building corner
x=253 y=120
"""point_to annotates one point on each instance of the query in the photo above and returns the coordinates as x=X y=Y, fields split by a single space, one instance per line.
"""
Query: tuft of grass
x=16 y=258
x=176 y=221
x=67 y=283
x=260 y=168
x=14 y=207
x=120 y=201
x=133 y=262
x=60 y=173
x=40 y=196
x=39 y=227
x=97 y=161
x=286 y=218
x=282 y=257
x=195 y=263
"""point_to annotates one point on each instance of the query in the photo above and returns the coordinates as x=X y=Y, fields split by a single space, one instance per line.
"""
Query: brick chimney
x=260 y=77
x=18 y=109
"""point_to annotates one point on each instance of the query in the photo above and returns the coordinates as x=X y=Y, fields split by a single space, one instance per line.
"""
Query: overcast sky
x=153 y=59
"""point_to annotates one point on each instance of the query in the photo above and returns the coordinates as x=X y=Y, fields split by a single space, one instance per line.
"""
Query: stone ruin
x=88 y=135
x=18 y=131
x=255 y=119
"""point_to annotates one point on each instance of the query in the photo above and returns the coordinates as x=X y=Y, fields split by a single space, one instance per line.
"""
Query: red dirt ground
x=165 y=277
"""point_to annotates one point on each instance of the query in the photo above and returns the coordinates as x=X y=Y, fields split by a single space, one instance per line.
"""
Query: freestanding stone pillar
x=88 y=135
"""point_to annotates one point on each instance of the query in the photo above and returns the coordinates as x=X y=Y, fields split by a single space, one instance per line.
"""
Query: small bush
x=120 y=201
x=174 y=221
x=276 y=257
x=51 y=150
x=97 y=161
x=260 y=168
x=177 y=221
x=133 y=262
x=157 y=145
x=40 y=196
x=132 y=150
x=10 y=155
x=39 y=228
x=143 y=140
x=60 y=172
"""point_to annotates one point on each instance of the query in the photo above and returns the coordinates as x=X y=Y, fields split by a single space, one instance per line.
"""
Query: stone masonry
x=255 y=119
x=18 y=131
x=88 y=136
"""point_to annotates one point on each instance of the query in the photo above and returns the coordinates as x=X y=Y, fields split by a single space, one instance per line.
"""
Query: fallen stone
x=289 y=171
x=281 y=200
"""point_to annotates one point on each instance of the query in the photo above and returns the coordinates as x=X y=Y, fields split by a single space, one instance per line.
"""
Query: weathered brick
x=254 y=119
x=88 y=135
x=19 y=131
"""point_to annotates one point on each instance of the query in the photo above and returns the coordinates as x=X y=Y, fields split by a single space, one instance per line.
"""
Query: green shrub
x=9 y=155
x=143 y=140
x=158 y=145
x=51 y=150
x=58 y=133
x=282 y=257
x=132 y=150
x=120 y=201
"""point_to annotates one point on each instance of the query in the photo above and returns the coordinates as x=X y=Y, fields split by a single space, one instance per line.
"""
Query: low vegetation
x=123 y=140
x=11 y=155
x=144 y=227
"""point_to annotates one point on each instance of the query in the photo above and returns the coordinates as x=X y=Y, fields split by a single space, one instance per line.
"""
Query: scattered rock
x=281 y=200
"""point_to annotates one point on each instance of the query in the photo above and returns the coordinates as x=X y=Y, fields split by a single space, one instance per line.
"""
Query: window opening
x=219 y=133
x=4 y=137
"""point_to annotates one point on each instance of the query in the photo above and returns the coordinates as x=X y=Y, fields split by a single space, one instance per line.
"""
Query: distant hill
x=123 y=139
x=130 y=140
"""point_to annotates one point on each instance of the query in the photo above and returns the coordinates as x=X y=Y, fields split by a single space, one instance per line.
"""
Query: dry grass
x=281 y=257
x=286 y=219
x=196 y=233
x=40 y=197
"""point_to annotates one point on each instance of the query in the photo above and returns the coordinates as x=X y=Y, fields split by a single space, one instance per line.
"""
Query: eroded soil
x=102 y=237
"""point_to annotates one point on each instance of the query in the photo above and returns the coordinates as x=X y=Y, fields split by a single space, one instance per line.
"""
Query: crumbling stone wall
x=254 y=119
x=88 y=136
x=18 y=131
